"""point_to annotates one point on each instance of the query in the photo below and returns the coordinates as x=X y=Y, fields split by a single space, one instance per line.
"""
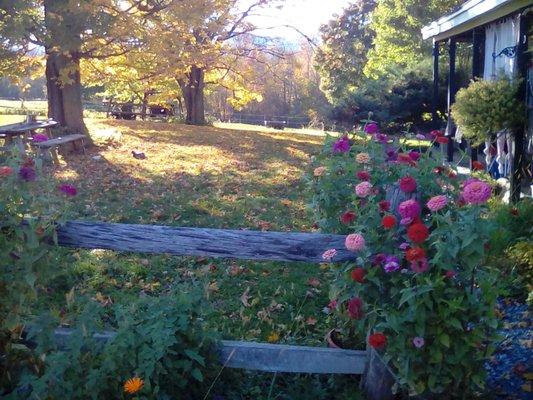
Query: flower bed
x=420 y=291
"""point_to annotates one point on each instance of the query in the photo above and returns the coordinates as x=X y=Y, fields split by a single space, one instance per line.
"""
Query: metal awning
x=472 y=14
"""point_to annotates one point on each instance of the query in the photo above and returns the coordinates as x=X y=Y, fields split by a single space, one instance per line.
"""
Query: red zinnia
x=415 y=254
x=442 y=140
x=358 y=274
x=348 y=217
x=377 y=340
x=388 y=221
x=355 y=308
x=384 y=205
x=407 y=184
x=418 y=232
x=363 y=175
x=477 y=166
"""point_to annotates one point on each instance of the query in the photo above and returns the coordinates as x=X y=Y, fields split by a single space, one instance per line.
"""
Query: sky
x=305 y=15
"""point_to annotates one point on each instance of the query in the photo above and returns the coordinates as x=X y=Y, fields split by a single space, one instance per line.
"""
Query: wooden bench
x=50 y=146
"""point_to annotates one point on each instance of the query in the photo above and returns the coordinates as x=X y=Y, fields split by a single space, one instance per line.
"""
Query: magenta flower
x=355 y=308
x=39 y=137
x=404 y=246
x=381 y=138
x=409 y=209
x=371 y=128
x=27 y=173
x=392 y=155
x=363 y=175
x=379 y=259
x=363 y=189
x=477 y=192
x=329 y=254
x=342 y=145
x=391 y=264
x=414 y=155
x=406 y=221
x=437 y=203
x=332 y=304
x=407 y=184
x=418 y=342
x=419 y=266
x=355 y=242
x=69 y=190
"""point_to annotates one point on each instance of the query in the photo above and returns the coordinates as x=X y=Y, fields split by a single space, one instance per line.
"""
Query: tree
x=398 y=42
x=341 y=58
x=69 y=31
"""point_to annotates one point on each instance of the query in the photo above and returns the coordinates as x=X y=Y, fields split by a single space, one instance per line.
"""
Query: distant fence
x=264 y=119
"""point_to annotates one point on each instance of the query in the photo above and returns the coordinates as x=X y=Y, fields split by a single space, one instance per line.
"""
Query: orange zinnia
x=133 y=385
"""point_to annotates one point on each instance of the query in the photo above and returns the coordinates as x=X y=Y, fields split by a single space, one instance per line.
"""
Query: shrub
x=31 y=206
x=159 y=340
x=485 y=108
x=425 y=296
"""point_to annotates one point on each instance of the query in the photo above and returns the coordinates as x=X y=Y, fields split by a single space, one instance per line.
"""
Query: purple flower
x=69 y=190
x=392 y=155
x=419 y=136
x=379 y=259
x=406 y=221
x=414 y=155
x=39 y=137
x=342 y=145
x=27 y=173
x=418 y=342
x=391 y=264
x=381 y=138
x=404 y=246
x=371 y=128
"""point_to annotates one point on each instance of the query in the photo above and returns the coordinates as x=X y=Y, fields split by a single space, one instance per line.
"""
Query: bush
x=31 y=206
x=485 y=108
x=420 y=289
x=160 y=340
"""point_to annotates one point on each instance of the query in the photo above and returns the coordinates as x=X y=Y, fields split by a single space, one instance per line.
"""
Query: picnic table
x=14 y=133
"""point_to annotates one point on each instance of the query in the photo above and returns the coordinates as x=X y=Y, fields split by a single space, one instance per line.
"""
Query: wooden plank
x=287 y=358
x=240 y=244
x=272 y=357
x=59 y=140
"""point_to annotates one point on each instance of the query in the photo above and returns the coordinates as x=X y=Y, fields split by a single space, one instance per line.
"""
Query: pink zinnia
x=39 y=137
x=371 y=128
x=418 y=342
x=409 y=209
x=419 y=266
x=355 y=242
x=332 y=304
x=69 y=190
x=477 y=192
x=363 y=189
x=437 y=203
x=329 y=254
x=407 y=184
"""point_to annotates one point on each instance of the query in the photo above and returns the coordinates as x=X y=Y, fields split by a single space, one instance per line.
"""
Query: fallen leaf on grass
x=213 y=287
x=273 y=337
x=245 y=297
x=311 y=321
x=313 y=282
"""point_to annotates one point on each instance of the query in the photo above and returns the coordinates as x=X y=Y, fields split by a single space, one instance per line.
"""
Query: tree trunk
x=192 y=88
x=63 y=81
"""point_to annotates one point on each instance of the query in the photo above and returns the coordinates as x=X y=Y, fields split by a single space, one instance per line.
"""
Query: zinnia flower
x=355 y=308
x=477 y=166
x=5 y=171
x=436 y=133
x=419 y=266
x=404 y=246
x=381 y=138
x=418 y=233
x=442 y=140
x=450 y=274
x=407 y=184
x=477 y=192
x=437 y=203
x=414 y=155
x=39 y=137
x=332 y=305
x=392 y=155
x=409 y=209
x=329 y=254
x=362 y=158
x=363 y=175
x=418 y=342
x=27 y=173
x=391 y=264
x=319 y=171
x=363 y=189
x=384 y=205
x=371 y=128
x=348 y=217
x=406 y=159
x=415 y=254
x=69 y=190
x=379 y=259
x=342 y=145
x=358 y=274
x=133 y=385
x=377 y=340
x=355 y=242
x=388 y=221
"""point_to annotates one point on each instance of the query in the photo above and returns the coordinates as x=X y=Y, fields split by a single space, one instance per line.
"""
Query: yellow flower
x=362 y=158
x=319 y=171
x=133 y=385
x=273 y=337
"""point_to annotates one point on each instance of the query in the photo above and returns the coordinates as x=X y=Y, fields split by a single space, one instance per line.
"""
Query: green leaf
x=196 y=374
x=193 y=355
x=445 y=340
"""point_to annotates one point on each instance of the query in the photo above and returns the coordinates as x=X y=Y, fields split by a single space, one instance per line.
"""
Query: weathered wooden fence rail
x=240 y=244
